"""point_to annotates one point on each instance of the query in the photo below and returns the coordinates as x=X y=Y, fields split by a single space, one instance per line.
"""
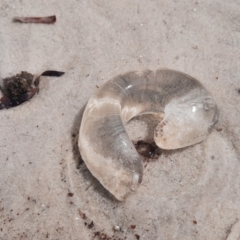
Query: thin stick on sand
x=46 y=20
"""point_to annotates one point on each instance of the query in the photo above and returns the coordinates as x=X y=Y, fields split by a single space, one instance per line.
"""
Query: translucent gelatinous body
x=234 y=233
x=189 y=113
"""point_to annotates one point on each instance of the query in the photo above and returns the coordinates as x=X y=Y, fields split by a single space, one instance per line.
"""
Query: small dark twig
x=48 y=73
x=52 y=73
x=46 y=20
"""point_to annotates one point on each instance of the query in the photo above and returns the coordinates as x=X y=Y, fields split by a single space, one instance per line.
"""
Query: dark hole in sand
x=149 y=150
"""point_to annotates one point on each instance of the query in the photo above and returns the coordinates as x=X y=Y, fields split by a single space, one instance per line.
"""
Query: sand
x=188 y=194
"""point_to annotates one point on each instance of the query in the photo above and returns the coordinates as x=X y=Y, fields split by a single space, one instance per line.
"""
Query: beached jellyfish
x=188 y=109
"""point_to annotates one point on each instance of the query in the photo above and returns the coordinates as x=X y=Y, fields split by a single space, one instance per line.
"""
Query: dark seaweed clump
x=16 y=86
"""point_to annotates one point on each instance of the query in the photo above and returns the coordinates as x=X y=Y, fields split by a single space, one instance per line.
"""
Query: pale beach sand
x=190 y=194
